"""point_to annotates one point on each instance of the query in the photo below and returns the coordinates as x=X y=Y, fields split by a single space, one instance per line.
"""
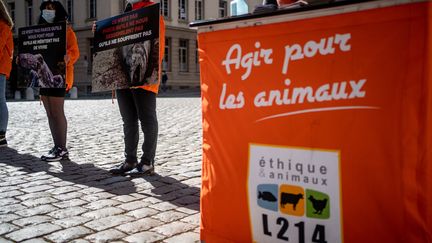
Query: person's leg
x=130 y=123
x=58 y=119
x=45 y=102
x=54 y=107
x=146 y=107
x=130 y=130
x=47 y=106
x=4 y=114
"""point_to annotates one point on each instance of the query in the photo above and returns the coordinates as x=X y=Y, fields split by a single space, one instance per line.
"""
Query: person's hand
x=94 y=27
x=66 y=58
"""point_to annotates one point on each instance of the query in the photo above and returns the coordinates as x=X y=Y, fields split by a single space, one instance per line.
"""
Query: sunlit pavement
x=79 y=200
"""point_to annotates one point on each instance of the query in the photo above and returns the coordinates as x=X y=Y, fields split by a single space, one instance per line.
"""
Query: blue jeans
x=4 y=114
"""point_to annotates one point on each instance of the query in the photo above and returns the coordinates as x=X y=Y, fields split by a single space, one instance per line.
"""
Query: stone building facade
x=181 y=55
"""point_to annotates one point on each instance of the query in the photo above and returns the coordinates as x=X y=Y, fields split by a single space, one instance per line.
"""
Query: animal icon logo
x=318 y=205
x=289 y=198
x=266 y=196
x=293 y=200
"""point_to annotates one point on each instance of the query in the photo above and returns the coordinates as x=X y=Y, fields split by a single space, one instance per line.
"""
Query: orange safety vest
x=6 y=49
x=73 y=52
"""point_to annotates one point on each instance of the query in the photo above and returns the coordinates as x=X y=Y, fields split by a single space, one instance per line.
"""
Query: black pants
x=138 y=104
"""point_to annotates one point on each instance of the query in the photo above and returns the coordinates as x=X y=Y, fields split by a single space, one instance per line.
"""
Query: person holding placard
x=53 y=98
x=139 y=104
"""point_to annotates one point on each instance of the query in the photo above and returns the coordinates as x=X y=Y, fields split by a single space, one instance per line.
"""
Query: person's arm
x=161 y=39
x=161 y=44
x=5 y=35
x=72 y=50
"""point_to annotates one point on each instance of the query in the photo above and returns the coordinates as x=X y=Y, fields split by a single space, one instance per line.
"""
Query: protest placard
x=124 y=48
x=41 y=51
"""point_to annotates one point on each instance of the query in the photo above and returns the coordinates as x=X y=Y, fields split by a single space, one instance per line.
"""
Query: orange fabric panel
x=6 y=49
x=425 y=169
x=380 y=130
x=73 y=52
x=155 y=87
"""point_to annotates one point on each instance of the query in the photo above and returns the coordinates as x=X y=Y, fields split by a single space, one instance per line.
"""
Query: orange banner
x=319 y=130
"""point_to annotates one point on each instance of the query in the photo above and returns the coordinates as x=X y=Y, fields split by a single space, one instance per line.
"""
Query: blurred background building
x=181 y=55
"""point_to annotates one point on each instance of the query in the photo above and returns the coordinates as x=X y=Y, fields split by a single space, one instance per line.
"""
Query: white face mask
x=48 y=15
x=133 y=1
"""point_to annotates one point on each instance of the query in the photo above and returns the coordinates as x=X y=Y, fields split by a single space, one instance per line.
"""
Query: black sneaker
x=123 y=168
x=57 y=155
x=142 y=169
x=3 y=142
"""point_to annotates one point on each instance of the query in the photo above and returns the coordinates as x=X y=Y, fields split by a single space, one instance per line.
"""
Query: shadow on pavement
x=83 y=174
x=173 y=191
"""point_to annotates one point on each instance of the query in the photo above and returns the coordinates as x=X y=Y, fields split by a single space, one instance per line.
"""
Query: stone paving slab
x=79 y=200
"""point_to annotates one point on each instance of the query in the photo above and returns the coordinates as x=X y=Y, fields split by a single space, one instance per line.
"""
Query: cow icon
x=289 y=198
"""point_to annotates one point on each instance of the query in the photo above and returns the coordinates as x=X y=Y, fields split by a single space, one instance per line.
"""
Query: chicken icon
x=318 y=205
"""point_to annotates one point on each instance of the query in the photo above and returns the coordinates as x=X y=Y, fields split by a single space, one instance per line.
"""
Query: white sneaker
x=57 y=155
x=142 y=169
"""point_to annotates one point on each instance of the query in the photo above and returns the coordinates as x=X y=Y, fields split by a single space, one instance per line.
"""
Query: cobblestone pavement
x=78 y=200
